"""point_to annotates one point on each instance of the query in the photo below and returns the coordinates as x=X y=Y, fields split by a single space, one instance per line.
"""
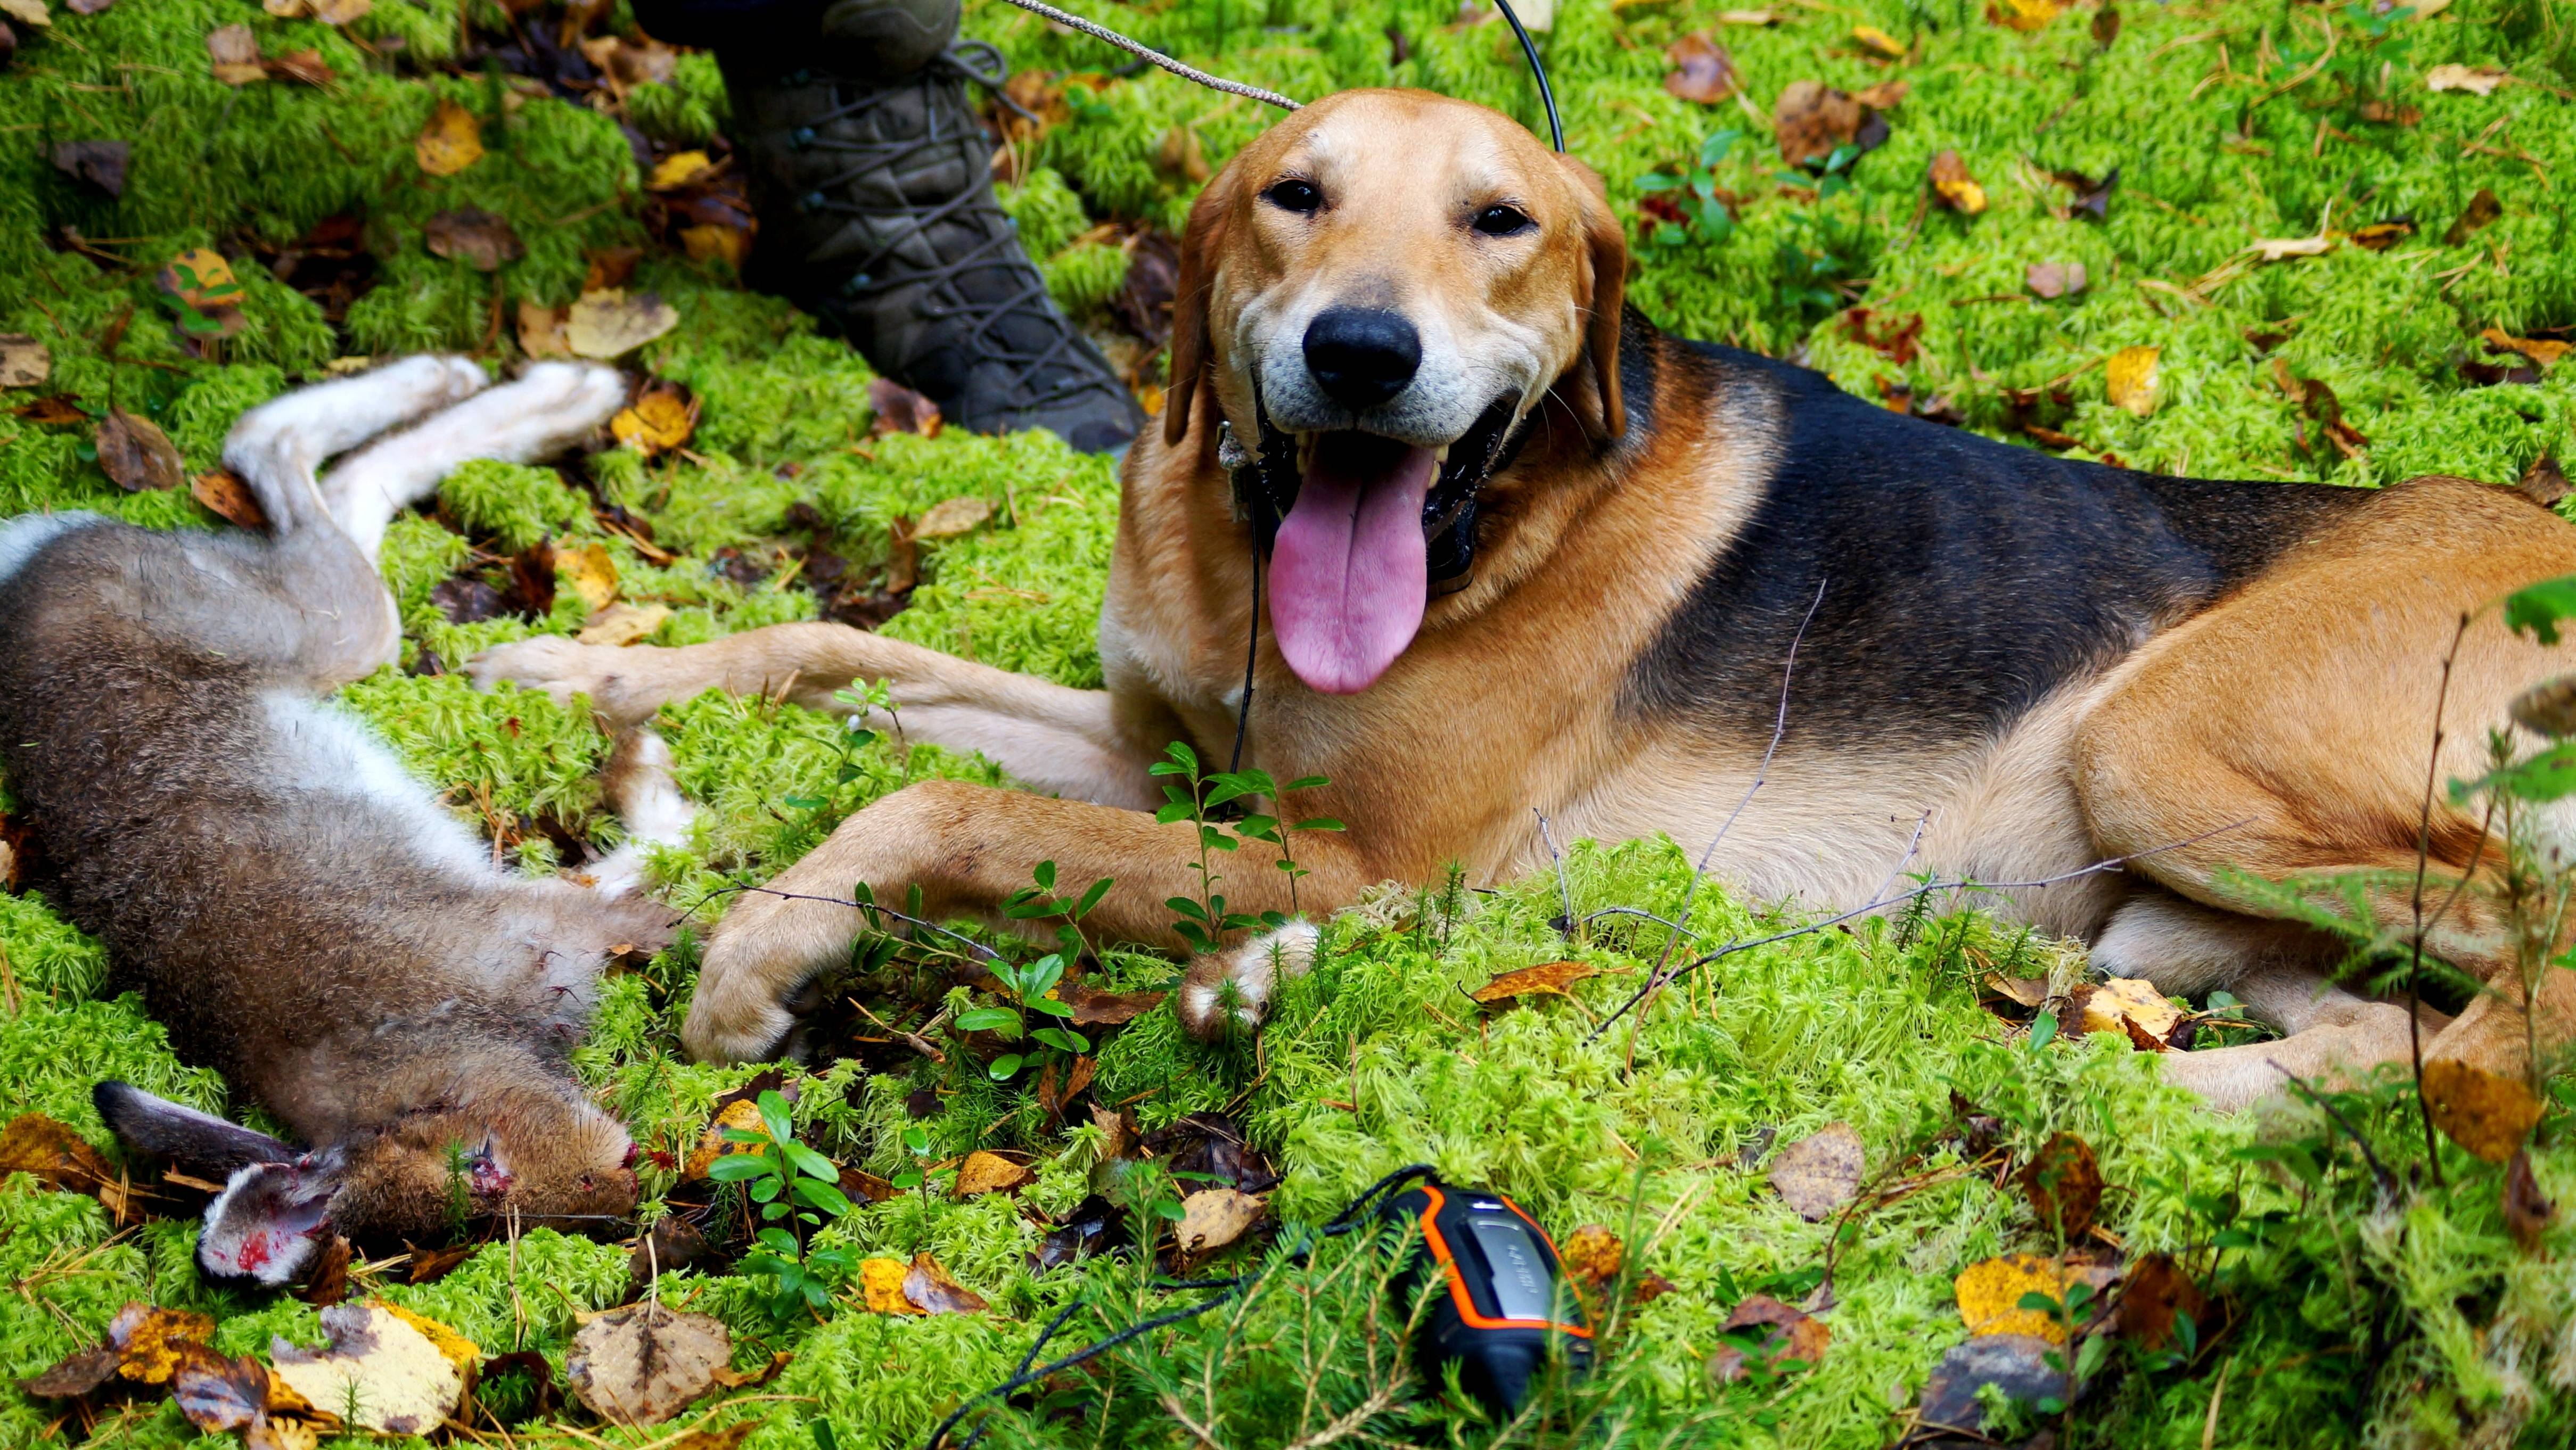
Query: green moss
x=514 y=503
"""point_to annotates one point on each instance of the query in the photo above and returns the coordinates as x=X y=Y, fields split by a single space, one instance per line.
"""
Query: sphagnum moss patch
x=2227 y=123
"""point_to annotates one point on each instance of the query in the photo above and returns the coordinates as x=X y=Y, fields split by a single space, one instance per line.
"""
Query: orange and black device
x=1507 y=1309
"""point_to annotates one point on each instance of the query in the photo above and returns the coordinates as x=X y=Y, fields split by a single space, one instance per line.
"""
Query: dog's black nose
x=1362 y=356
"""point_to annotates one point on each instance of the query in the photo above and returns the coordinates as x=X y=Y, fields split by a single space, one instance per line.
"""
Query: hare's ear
x=267 y=1222
x=194 y=1140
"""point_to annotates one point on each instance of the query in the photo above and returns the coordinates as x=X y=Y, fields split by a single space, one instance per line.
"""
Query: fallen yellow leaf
x=588 y=572
x=379 y=1366
x=881 y=1285
x=234 y=53
x=147 y=1340
x=624 y=624
x=1990 y=1295
x=659 y=422
x=677 y=170
x=2131 y=376
x=742 y=1114
x=2489 y=1114
x=1878 y=42
x=1215 y=1217
x=2024 y=15
x=456 y=1348
x=1547 y=977
x=712 y=243
x=541 y=330
x=2130 y=1007
x=1957 y=189
x=452 y=141
x=609 y=324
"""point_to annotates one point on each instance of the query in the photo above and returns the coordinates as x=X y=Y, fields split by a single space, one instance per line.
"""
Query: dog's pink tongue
x=1348 y=575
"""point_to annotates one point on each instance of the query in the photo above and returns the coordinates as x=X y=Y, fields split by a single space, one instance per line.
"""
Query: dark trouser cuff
x=862 y=39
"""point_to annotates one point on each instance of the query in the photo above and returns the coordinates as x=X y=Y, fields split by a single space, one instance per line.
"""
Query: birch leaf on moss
x=609 y=324
x=452 y=141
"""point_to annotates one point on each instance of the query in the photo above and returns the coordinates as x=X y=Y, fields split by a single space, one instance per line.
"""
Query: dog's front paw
x=759 y=958
x=565 y=668
x=1228 y=989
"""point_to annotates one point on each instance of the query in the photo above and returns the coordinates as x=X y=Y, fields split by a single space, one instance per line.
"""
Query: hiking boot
x=873 y=184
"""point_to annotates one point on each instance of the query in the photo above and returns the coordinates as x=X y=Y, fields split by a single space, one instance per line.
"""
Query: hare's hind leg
x=639 y=788
x=548 y=409
x=278 y=447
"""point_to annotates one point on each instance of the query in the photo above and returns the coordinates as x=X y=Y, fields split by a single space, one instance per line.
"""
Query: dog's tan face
x=1391 y=280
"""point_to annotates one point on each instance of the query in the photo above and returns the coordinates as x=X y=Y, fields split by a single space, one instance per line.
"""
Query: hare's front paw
x=1233 y=988
x=563 y=668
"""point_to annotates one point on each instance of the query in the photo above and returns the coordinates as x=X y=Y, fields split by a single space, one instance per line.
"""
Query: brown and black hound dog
x=1524 y=550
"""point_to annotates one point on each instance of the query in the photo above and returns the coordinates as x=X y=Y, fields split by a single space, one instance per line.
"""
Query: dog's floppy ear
x=1201 y=243
x=267 y=1222
x=1606 y=260
x=198 y=1141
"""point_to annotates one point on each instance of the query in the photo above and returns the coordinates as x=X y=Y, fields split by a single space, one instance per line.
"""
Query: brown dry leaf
x=24 y=362
x=1592 y=1254
x=55 y=408
x=2539 y=350
x=1702 y=70
x=77 y=1373
x=2281 y=249
x=2053 y=280
x=327 y=1282
x=2130 y=376
x=2064 y=1185
x=660 y=421
x=1791 y=1334
x=607 y=267
x=927 y=1287
x=742 y=1115
x=452 y=141
x=218 y=1394
x=480 y=239
x=672 y=1244
x=234 y=52
x=329 y=12
x=899 y=409
x=541 y=330
x=2153 y=1290
x=302 y=66
x=57 y=1157
x=2016 y=1364
x=677 y=170
x=1215 y=1217
x=1547 y=978
x=2380 y=236
x=987 y=1172
x=428 y=1266
x=100 y=164
x=2478 y=80
x=1818 y=1174
x=148 y=1340
x=2481 y=212
x=136 y=454
x=1990 y=1294
x=737 y=1379
x=2031 y=992
x=630 y=63
x=2131 y=1006
x=642 y=1364
x=1181 y=157
x=1885 y=96
x=624 y=624
x=608 y=324
x=590 y=574
x=860 y=1186
x=2024 y=15
x=2487 y=1113
x=2526 y=1210
x=1873 y=41
x=1957 y=189
x=399 y=1378
x=2106 y=24
x=1812 y=119
x=950 y=517
x=881 y=1286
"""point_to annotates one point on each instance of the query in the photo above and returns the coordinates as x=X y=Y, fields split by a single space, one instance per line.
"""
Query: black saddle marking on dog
x=1965 y=579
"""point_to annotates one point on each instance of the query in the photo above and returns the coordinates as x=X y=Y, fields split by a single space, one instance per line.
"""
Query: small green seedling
x=798 y=1191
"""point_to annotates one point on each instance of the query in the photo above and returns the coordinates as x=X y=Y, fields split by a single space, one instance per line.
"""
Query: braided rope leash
x=1142 y=51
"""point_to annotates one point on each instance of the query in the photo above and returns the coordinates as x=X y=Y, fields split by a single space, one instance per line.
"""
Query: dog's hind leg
x=548 y=409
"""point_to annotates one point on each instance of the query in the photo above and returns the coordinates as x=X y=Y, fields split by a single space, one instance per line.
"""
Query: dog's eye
x=1294 y=195
x=1499 y=220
